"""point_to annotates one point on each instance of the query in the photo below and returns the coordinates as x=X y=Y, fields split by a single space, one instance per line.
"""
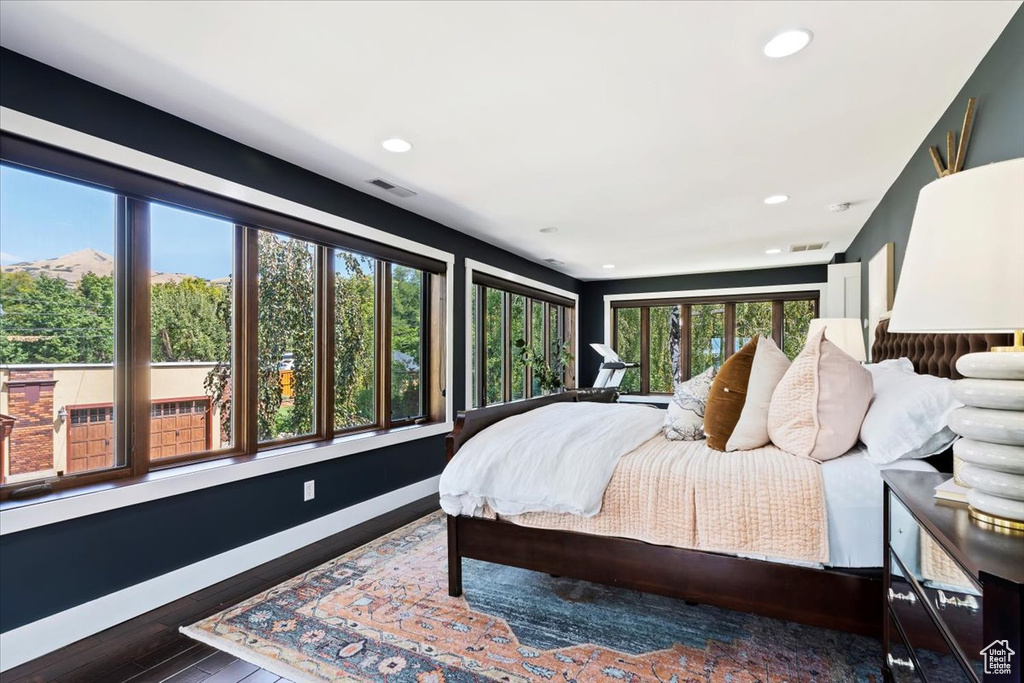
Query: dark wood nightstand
x=953 y=589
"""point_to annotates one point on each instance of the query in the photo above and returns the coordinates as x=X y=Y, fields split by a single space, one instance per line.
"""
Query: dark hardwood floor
x=149 y=648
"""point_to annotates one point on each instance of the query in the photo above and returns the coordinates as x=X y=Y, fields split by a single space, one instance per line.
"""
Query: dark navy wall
x=592 y=298
x=997 y=135
x=50 y=569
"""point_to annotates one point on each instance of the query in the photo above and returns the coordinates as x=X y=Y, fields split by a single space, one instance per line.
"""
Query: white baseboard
x=27 y=642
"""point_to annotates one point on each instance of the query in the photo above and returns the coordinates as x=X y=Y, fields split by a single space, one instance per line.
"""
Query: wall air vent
x=397 y=190
x=813 y=246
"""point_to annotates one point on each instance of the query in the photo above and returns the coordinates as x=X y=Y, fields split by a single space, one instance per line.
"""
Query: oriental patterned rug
x=382 y=613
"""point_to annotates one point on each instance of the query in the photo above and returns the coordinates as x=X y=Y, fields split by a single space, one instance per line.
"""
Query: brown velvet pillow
x=728 y=393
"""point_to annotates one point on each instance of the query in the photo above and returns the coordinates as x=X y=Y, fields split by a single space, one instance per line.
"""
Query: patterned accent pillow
x=684 y=419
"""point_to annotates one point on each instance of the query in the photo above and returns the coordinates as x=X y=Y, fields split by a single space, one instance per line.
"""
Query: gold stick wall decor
x=955 y=154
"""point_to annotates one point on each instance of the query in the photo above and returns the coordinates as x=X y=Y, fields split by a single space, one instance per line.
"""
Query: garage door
x=90 y=439
x=179 y=428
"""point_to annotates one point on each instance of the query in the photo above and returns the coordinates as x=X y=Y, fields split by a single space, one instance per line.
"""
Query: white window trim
x=72 y=503
x=473 y=266
x=821 y=287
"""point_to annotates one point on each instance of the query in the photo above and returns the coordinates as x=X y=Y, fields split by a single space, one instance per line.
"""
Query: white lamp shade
x=845 y=333
x=964 y=266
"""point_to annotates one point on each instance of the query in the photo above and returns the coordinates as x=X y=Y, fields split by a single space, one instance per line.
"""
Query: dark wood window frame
x=135 y=191
x=729 y=302
x=533 y=297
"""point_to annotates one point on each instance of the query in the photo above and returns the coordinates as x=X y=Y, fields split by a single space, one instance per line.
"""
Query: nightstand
x=952 y=589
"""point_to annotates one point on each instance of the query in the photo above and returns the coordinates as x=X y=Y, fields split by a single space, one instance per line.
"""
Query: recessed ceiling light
x=396 y=145
x=549 y=230
x=773 y=251
x=788 y=43
x=776 y=199
x=608 y=266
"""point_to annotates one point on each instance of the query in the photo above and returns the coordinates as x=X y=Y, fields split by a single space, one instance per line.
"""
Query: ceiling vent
x=813 y=246
x=397 y=190
x=554 y=262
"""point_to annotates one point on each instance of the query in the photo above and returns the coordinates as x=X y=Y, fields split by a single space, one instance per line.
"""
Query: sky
x=43 y=217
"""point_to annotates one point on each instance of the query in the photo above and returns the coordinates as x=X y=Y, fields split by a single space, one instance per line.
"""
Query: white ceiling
x=648 y=133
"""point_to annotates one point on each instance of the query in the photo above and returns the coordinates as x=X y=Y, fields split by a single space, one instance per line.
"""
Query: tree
x=186 y=325
x=797 y=316
x=354 y=334
x=517 y=327
x=44 y=319
x=286 y=305
x=407 y=335
x=661 y=377
x=627 y=345
x=494 y=343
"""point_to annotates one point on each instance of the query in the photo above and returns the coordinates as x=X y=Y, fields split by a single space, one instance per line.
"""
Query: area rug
x=382 y=613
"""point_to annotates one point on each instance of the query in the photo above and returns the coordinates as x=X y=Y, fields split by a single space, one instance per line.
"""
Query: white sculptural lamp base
x=991 y=453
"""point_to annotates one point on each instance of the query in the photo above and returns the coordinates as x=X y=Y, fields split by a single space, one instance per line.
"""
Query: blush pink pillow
x=818 y=406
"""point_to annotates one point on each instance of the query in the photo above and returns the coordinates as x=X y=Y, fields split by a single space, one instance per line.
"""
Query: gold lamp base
x=1003 y=526
x=1018 y=344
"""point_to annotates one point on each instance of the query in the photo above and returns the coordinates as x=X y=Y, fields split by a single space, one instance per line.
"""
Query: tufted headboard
x=932 y=354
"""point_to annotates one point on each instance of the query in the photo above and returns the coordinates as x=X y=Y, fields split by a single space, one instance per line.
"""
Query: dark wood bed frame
x=846 y=600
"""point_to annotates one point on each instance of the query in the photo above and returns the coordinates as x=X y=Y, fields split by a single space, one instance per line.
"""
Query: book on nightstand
x=950 y=490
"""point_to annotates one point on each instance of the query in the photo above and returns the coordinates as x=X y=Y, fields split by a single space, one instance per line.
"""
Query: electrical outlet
x=308 y=490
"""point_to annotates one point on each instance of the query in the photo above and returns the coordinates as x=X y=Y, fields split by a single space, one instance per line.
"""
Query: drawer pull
x=908 y=596
x=967 y=601
x=896 y=661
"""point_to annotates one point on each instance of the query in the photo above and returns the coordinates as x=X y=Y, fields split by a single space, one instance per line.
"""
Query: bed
x=843 y=593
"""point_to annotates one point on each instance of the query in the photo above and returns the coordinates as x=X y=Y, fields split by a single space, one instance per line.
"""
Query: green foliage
x=47 y=320
x=754 y=317
x=187 y=323
x=796 y=321
x=354 y=333
x=627 y=345
x=661 y=379
x=407 y=335
x=286 y=323
x=517 y=328
x=707 y=337
x=44 y=319
x=493 y=341
x=549 y=374
x=706 y=334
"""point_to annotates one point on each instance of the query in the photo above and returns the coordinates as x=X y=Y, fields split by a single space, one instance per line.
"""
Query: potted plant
x=550 y=373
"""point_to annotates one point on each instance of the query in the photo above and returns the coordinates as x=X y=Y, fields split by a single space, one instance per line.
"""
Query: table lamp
x=964 y=272
x=845 y=333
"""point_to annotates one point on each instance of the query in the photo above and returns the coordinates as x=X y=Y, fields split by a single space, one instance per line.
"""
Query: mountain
x=71 y=267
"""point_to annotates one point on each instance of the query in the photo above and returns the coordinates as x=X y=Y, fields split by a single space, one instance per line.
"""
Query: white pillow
x=902 y=364
x=908 y=416
x=684 y=419
x=769 y=365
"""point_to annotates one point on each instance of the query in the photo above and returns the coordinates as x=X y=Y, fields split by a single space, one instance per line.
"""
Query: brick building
x=60 y=418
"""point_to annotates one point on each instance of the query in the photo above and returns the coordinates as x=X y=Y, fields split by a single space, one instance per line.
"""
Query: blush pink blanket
x=681 y=493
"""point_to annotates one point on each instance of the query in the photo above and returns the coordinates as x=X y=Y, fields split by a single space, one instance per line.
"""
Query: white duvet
x=558 y=458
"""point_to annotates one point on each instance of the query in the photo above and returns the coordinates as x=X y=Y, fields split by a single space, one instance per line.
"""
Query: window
x=258 y=329
x=408 y=344
x=626 y=339
x=707 y=337
x=521 y=337
x=660 y=352
x=675 y=340
x=355 y=324
x=191 y=322
x=58 y=274
x=494 y=346
x=286 y=337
